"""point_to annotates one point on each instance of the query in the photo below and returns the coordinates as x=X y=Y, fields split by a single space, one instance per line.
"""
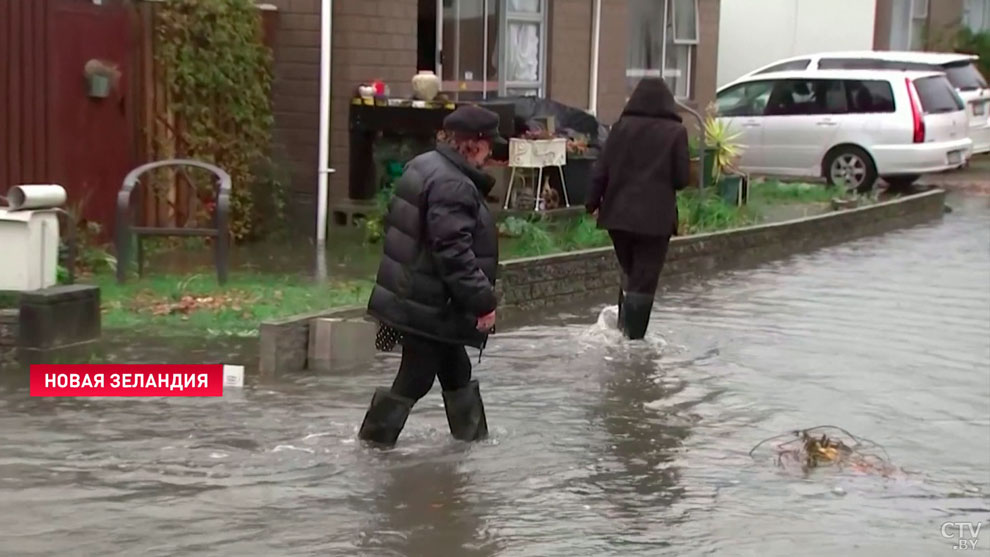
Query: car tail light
x=919 y=118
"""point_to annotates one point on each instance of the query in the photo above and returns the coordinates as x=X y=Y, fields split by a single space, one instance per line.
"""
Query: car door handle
x=828 y=123
x=751 y=124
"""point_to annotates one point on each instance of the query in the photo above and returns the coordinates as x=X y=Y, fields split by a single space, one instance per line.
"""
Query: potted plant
x=695 y=167
x=101 y=77
x=724 y=148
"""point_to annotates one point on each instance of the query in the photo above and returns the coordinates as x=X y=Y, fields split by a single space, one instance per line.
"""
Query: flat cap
x=473 y=121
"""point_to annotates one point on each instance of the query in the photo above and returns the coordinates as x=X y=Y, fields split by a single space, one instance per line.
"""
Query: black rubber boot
x=622 y=298
x=385 y=418
x=466 y=413
x=636 y=314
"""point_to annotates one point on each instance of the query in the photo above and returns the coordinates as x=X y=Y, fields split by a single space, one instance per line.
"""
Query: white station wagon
x=960 y=69
x=848 y=126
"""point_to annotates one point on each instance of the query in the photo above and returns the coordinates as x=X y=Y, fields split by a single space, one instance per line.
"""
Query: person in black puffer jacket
x=435 y=289
x=635 y=181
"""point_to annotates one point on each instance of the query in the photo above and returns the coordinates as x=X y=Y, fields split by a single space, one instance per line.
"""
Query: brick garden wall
x=8 y=335
x=547 y=281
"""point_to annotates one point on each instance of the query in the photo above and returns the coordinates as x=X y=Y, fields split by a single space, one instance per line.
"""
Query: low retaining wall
x=536 y=282
x=285 y=342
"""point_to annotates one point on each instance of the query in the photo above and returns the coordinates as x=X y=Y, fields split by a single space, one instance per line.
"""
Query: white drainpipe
x=324 y=170
x=596 y=33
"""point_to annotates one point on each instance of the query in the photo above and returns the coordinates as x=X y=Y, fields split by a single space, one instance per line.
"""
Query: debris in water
x=824 y=446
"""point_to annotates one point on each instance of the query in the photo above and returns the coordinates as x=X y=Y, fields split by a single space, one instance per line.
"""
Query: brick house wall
x=378 y=39
x=569 y=52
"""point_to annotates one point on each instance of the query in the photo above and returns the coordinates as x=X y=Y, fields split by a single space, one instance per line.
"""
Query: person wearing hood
x=643 y=164
x=435 y=288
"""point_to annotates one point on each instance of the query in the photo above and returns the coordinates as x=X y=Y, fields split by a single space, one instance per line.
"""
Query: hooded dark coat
x=644 y=162
x=437 y=275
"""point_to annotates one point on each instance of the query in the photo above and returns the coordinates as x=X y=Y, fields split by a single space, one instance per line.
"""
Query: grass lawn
x=178 y=304
x=195 y=305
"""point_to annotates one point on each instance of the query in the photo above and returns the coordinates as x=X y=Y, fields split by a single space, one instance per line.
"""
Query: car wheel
x=851 y=167
x=902 y=182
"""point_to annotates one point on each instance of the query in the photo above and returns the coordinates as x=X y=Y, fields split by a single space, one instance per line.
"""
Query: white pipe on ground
x=323 y=169
x=596 y=33
x=42 y=196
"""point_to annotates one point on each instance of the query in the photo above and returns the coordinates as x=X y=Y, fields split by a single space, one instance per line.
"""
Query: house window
x=976 y=15
x=663 y=42
x=908 y=24
x=487 y=47
x=919 y=23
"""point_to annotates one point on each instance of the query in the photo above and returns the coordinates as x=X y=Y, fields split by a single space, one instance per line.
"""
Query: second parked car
x=848 y=126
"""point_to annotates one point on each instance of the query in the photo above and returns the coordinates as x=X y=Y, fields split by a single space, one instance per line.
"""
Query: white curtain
x=524 y=52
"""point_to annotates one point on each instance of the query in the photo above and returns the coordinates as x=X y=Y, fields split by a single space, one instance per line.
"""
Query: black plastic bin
x=577 y=175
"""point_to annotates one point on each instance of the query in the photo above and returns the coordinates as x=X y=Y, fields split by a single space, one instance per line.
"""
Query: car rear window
x=787 y=66
x=965 y=77
x=936 y=95
x=873 y=64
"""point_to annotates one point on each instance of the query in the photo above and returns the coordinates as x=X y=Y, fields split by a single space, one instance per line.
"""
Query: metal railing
x=126 y=228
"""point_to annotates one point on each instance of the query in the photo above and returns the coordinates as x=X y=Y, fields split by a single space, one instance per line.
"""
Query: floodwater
x=599 y=446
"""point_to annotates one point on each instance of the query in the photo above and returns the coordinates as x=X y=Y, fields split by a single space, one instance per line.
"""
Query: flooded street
x=599 y=446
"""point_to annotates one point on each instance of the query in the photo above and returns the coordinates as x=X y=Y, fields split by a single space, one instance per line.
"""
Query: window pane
x=747 y=99
x=523 y=53
x=869 y=96
x=937 y=95
x=920 y=8
x=494 y=11
x=528 y=6
x=463 y=40
x=685 y=20
x=965 y=77
x=900 y=25
x=917 y=34
x=788 y=66
x=800 y=97
x=645 y=40
x=677 y=71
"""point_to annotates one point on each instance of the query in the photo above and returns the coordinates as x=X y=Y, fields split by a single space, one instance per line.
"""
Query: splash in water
x=606 y=331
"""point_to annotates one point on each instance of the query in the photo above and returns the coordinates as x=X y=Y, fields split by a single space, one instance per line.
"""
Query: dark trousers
x=423 y=360
x=641 y=259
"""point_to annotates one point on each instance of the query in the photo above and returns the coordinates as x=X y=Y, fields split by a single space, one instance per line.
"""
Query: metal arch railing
x=221 y=218
x=701 y=142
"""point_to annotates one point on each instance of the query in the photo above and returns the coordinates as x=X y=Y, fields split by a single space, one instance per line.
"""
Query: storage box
x=30 y=241
x=537 y=153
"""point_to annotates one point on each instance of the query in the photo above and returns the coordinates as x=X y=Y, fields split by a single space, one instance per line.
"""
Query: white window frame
x=670 y=22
